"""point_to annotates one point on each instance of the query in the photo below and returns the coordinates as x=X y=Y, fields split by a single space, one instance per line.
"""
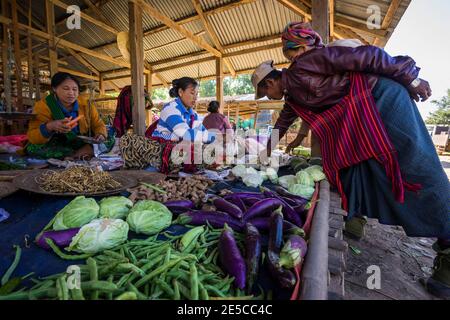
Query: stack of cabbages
x=89 y=227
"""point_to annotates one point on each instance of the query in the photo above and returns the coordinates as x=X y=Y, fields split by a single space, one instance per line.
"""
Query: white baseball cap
x=259 y=74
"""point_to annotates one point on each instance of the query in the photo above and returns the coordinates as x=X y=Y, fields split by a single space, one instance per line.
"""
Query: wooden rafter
x=175 y=26
x=212 y=34
x=84 y=10
x=87 y=17
x=350 y=34
x=78 y=74
x=181 y=21
x=345 y=22
x=390 y=14
x=299 y=9
x=24 y=13
x=83 y=61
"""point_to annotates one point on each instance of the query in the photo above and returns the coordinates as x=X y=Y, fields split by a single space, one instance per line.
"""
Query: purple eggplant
x=293 y=252
x=61 y=238
x=176 y=210
x=238 y=202
x=285 y=193
x=252 y=254
x=215 y=218
x=228 y=207
x=231 y=258
x=262 y=207
x=284 y=277
x=276 y=230
x=263 y=225
x=291 y=202
x=290 y=214
x=180 y=203
x=244 y=195
x=250 y=201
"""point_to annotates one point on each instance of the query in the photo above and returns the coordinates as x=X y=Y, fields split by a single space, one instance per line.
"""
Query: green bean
x=61 y=287
x=214 y=290
x=165 y=287
x=139 y=294
x=194 y=282
x=104 y=286
x=124 y=279
x=184 y=291
x=77 y=294
x=203 y=293
x=129 y=295
x=93 y=274
x=147 y=289
x=64 y=256
x=113 y=254
x=176 y=290
x=44 y=284
x=109 y=295
x=13 y=266
x=158 y=271
x=148 y=185
x=125 y=267
x=35 y=294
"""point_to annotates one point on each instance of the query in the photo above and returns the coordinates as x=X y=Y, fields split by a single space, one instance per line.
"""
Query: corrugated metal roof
x=257 y=19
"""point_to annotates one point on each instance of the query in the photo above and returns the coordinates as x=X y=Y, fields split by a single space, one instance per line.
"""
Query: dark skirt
x=369 y=190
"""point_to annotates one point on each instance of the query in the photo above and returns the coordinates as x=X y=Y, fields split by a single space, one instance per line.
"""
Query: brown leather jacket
x=319 y=78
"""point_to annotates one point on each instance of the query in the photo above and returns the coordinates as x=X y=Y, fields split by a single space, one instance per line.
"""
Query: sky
x=423 y=33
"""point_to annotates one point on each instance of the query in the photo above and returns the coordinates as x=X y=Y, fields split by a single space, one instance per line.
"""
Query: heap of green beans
x=145 y=270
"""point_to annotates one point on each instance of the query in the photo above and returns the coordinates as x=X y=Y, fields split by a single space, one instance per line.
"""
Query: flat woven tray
x=27 y=182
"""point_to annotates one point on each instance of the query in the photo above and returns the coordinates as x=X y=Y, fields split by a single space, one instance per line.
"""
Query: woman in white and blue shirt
x=178 y=121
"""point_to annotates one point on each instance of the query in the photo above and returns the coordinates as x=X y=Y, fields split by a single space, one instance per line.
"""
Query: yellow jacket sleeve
x=43 y=115
x=98 y=126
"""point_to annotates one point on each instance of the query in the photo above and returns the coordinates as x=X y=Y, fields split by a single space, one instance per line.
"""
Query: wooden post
x=30 y=56
x=228 y=111
x=137 y=67
x=148 y=85
x=219 y=83
x=37 y=80
x=17 y=56
x=321 y=18
x=52 y=54
x=237 y=116
x=5 y=59
x=101 y=85
x=256 y=115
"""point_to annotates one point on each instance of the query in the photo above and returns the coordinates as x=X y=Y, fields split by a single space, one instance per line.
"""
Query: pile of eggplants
x=239 y=208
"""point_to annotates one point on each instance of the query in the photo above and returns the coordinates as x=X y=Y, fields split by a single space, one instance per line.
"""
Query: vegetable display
x=231 y=257
x=76 y=179
x=146 y=269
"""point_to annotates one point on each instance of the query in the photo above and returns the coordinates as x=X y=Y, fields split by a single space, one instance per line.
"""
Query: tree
x=442 y=114
x=242 y=84
x=160 y=94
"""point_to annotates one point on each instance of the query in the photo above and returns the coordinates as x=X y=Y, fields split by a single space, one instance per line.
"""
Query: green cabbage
x=115 y=207
x=239 y=170
x=99 y=235
x=77 y=213
x=304 y=178
x=252 y=180
x=149 y=217
x=272 y=174
x=251 y=170
x=287 y=181
x=316 y=172
x=302 y=190
x=263 y=175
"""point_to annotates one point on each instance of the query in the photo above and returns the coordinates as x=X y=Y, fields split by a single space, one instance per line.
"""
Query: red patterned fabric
x=351 y=132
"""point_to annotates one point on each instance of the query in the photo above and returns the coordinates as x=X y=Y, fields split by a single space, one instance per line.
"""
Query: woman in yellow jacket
x=61 y=117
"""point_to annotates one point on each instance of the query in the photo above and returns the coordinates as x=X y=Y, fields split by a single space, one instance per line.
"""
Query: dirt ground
x=402 y=261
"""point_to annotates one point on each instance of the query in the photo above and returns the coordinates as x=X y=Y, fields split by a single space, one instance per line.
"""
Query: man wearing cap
x=376 y=150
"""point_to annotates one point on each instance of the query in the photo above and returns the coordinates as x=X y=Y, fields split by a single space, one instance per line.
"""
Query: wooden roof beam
x=87 y=17
x=175 y=26
x=83 y=61
x=181 y=21
x=345 y=22
x=79 y=74
x=299 y=9
x=212 y=34
x=390 y=14
x=99 y=4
